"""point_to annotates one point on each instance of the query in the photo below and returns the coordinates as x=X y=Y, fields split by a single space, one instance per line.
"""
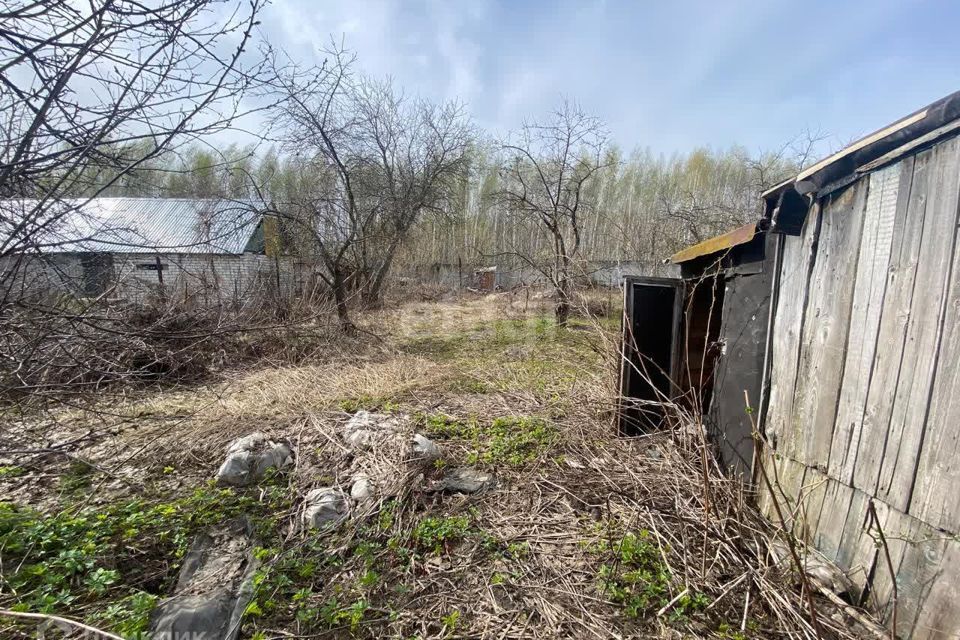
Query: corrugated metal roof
x=140 y=225
x=728 y=240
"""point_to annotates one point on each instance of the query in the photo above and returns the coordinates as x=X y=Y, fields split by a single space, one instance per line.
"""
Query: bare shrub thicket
x=57 y=346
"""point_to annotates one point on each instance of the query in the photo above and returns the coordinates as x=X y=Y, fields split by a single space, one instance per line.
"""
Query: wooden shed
x=699 y=340
x=858 y=381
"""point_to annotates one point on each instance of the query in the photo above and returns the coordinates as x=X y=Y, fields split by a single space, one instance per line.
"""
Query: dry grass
x=591 y=536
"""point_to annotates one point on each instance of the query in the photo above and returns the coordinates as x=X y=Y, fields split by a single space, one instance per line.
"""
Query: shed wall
x=745 y=315
x=865 y=386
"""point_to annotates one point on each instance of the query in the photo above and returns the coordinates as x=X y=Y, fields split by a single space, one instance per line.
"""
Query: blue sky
x=670 y=76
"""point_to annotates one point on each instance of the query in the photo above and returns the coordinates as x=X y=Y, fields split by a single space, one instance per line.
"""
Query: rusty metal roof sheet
x=740 y=235
x=132 y=225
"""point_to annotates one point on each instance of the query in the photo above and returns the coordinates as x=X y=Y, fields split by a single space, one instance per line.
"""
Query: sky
x=670 y=76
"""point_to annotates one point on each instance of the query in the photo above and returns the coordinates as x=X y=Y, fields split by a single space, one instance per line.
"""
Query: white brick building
x=138 y=249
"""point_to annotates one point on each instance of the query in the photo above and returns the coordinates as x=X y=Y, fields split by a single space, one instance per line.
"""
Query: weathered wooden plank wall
x=865 y=385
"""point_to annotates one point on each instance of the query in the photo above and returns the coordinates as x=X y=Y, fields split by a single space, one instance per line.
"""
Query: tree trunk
x=562 y=279
x=562 y=310
x=340 y=299
x=374 y=293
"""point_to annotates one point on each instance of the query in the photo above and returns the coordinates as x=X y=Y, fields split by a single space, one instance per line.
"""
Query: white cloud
x=456 y=47
x=671 y=76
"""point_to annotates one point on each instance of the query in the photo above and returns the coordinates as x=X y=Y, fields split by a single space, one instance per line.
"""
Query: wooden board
x=904 y=256
x=938 y=616
x=787 y=478
x=850 y=555
x=936 y=494
x=918 y=573
x=869 y=345
x=811 y=498
x=912 y=397
x=798 y=253
x=833 y=515
x=882 y=586
x=872 y=263
x=826 y=323
x=788 y=483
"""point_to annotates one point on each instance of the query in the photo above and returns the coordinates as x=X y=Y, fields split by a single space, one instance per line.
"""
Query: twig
x=672 y=602
x=872 y=510
x=869 y=624
x=53 y=618
x=746 y=608
x=788 y=535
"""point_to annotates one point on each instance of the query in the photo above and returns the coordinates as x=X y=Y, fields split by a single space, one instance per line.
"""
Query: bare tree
x=417 y=150
x=548 y=166
x=107 y=87
x=320 y=129
x=377 y=162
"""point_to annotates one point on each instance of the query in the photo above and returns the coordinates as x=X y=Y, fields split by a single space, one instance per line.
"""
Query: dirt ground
x=586 y=534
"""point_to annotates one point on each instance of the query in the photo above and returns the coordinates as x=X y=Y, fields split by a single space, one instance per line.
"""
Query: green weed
x=368 y=403
x=77 y=477
x=436 y=534
x=129 y=616
x=542 y=326
x=511 y=441
x=335 y=615
x=11 y=472
x=450 y=622
x=442 y=427
x=69 y=560
x=635 y=577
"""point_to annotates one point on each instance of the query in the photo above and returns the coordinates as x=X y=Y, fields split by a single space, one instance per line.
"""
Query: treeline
x=643 y=206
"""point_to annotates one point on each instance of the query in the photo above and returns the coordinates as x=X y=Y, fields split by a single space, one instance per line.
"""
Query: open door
x=650 y=354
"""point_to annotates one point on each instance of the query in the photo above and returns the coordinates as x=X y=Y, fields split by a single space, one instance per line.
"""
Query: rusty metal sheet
x=740 y=235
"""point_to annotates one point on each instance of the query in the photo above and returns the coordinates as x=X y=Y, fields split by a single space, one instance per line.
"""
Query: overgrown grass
x=350 y=578
x=512 y=440
x=12 y=471
x=109 y=565
x=368 y=403
x=437 y=534
x=635 y=577
x=115 y=560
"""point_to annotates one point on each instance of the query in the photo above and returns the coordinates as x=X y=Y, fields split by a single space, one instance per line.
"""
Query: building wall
x=611 y=273
x=747 y=277
x=865 y=387
x=202 y=279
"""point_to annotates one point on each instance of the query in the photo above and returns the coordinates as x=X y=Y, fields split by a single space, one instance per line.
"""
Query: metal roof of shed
x=728 y=240
x=134 y=225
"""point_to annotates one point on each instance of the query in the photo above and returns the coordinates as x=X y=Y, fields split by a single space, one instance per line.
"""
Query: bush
x=49 y=351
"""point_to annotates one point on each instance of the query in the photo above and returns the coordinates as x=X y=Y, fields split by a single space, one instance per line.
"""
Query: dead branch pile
x=64 y=349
